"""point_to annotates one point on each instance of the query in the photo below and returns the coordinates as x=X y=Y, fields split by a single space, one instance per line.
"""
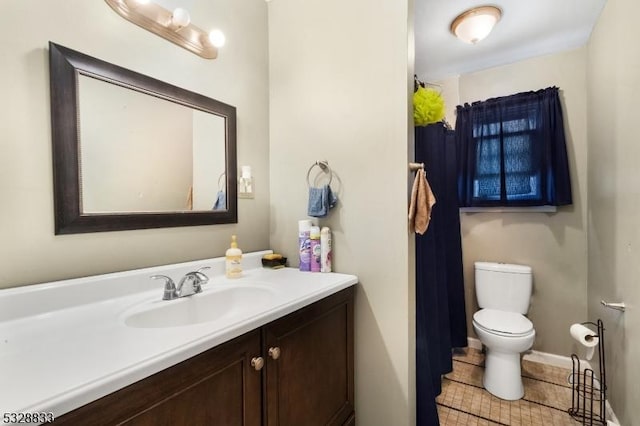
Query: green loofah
x=428 y=106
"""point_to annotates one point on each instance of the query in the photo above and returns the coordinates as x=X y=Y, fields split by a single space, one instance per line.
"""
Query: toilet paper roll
x=586 y=337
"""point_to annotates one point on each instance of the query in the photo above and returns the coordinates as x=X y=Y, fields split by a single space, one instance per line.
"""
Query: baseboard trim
x=557 y=361
x=553 y=359
x=612 y=420
x=474 y=343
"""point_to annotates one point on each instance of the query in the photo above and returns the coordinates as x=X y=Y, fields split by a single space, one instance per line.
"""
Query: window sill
x=532 y=209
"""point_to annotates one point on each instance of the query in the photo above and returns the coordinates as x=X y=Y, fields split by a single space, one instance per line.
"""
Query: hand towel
x=221 y=201
x=321 y=200
x=422 y=201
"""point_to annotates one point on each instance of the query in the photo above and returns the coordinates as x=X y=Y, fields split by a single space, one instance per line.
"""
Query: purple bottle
x=314 y=235
x=304 y=244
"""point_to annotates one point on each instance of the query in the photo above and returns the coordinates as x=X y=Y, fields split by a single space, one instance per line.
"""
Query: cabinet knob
x=274 y=352
x=257 y=363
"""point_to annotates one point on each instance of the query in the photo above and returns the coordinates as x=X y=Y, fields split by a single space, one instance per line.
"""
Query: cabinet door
x=217 y=387
x=309 y=371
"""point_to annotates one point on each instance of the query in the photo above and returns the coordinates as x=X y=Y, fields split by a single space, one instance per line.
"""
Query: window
x=506 y=146
x=512 y=152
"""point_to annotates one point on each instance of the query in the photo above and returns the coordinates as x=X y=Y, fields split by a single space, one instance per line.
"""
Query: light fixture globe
x=475 y=24
x=217 y=38
x=180 y=18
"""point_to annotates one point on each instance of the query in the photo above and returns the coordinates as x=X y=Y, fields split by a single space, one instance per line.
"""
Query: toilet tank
x=503 y=286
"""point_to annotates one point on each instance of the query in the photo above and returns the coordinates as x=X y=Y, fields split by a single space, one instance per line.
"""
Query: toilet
x=504 y=293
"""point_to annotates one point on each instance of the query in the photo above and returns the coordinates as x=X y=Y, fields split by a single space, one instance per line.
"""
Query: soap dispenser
x=233 y=260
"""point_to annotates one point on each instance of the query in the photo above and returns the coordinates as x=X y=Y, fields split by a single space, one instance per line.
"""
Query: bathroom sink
x=200 y=308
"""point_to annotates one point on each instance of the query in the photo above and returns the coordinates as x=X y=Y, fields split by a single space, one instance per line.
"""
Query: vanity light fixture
x=475 y=24
x=174 y=26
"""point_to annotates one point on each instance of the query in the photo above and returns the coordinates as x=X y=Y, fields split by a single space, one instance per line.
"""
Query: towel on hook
x=320 y=201
x=422 y=201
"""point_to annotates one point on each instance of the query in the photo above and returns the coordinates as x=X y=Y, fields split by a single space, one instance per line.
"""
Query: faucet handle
x=201 y=275
x=170 y=291
x=198 y=278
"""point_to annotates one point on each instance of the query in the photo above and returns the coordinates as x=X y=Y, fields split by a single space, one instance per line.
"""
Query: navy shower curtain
x=440 y=306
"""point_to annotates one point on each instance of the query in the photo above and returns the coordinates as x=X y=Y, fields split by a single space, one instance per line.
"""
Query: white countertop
x=65 y=344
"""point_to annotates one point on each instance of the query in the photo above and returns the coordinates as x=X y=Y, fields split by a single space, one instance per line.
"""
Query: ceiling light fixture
x=174 y=26
x=475 y=24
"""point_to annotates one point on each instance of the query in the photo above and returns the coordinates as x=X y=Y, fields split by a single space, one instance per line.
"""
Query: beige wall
x=450 y=91
x=554 y=244
x=30 y=252
x=614 y=197
x=339 y=90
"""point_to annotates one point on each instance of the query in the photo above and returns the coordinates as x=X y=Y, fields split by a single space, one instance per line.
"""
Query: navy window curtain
x=440 y=301
x=512 y=151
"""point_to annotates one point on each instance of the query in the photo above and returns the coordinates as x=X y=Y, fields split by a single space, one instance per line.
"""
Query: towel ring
x=324 y=165
x=220 y=177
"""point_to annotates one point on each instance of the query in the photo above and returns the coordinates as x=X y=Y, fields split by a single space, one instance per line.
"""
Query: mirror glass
x=133 y=152
x=131 y=163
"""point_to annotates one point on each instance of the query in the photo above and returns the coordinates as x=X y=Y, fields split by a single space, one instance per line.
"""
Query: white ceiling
x=528 y=28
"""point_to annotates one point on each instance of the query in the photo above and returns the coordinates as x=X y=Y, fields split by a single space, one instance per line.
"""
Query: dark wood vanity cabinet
x=309 y=370
x=216 y=387
x=306 y=378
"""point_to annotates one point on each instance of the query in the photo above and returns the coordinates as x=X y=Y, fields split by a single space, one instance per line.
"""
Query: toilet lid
x=510 y=323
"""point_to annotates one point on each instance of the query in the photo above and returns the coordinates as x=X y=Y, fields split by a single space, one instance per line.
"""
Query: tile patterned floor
x=464 y=401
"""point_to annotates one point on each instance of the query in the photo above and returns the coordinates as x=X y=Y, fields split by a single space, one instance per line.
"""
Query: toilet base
x=502 y=374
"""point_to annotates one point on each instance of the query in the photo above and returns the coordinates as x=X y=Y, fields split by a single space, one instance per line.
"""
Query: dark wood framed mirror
x=133 y=152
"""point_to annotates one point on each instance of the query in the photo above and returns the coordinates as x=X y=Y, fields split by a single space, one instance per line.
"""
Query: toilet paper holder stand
x=589 y=391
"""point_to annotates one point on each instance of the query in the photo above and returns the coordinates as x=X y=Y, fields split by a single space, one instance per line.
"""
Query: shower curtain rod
x=422 y=83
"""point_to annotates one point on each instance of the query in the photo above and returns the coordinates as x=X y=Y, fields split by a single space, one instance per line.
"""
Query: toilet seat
x=508 y=324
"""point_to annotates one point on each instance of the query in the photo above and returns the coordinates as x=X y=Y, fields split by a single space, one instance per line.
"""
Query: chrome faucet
x=192 y=280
